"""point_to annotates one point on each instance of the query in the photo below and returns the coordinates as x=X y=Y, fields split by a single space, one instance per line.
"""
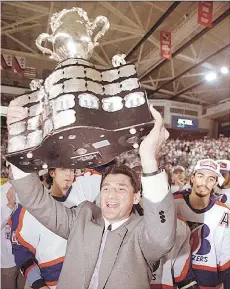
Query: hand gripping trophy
x=79 y=116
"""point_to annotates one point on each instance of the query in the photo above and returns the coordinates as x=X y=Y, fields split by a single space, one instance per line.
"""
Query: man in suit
x=109 y=247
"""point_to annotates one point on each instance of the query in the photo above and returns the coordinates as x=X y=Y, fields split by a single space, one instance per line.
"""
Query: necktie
x=95 y=278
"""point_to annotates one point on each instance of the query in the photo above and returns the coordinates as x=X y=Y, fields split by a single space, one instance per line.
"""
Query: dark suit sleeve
x=51 y=213
x=157 y=235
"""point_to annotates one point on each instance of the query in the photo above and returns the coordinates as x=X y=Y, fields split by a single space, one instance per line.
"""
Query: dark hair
x=49 y=179
x=102 y=168
x=124 y=170
x=41 y=178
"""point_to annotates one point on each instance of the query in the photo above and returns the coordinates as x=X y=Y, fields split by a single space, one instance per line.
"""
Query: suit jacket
x=130 y=251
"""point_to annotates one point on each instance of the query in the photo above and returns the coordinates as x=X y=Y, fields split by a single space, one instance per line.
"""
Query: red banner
x=205 y=13
x=19 y=64
x=6 y=61
x=165 y=45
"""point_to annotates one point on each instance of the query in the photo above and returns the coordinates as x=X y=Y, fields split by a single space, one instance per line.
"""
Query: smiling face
x=203 y=183
x=63 y=178
x=117 y=197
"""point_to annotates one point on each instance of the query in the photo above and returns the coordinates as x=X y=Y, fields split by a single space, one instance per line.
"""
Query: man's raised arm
x=158 y=234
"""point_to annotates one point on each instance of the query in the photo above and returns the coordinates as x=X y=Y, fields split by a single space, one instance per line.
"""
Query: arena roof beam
x=194 y=66
x=154 y=27
x=193 y=39
x=28 y=6
x=188 y=89
x=126 y=29
x=179 y=34
x=135 y=14
x=116 y=12
x=211 y=90
x=21 y=43
x=156 y=6
x=21 y=28
x=184 y=96
x=25 y=20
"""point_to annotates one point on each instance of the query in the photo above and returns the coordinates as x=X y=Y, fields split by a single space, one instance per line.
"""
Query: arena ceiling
x=196 y=50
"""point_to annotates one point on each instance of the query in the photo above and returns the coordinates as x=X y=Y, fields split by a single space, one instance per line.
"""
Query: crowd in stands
x=184 y=153
x=180 y=152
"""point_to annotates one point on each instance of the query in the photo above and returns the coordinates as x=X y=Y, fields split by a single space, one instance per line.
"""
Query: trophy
x=72 y=35
x=79 y=116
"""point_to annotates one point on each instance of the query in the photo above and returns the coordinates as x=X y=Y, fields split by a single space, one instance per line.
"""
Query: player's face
x=179 y=175
x=203 y=182
x=117 y=197
x=63 y=178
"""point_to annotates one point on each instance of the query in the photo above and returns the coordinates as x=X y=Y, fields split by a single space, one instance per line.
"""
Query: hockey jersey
x=210 y=241
x=175 y=267
x=224 y=196
x=39 y=252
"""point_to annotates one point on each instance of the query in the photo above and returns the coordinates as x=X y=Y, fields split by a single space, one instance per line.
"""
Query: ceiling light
x=211 y=76
x=224 y=70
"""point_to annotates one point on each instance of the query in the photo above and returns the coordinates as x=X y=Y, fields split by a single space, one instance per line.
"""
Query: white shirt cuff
x=155 y=188
x=17 y=173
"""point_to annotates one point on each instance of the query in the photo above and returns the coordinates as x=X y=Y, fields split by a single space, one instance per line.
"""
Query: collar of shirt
x=115 y=225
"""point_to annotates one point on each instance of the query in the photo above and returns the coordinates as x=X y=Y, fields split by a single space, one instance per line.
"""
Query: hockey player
x=209 y=223
x=174 y=269
x=39 y=252
x=10 y=273
x=178 y=179
x=225 y=188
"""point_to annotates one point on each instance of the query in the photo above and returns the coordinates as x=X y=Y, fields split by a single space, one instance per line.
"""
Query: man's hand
x=152 y=143
x=11 y=198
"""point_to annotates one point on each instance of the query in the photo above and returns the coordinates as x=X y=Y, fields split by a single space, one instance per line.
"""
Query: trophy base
x=80 y=147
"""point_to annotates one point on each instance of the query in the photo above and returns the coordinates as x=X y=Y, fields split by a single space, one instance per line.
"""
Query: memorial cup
x=80 y=115
x=73 y=34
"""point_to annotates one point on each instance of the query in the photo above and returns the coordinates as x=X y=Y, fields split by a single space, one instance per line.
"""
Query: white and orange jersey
x=39 y=252
x=85 y=187
x=210 y=241
x=175 y=267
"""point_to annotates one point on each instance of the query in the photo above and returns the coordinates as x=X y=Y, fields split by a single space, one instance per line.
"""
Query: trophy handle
x=42 y=37
x=105 y=27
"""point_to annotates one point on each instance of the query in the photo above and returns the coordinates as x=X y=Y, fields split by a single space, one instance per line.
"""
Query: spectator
x=225 y=188
x=178 y=180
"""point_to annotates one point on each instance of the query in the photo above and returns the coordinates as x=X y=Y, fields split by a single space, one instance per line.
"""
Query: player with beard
x=224 y=192
x=209 y=223
x=38 y=252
